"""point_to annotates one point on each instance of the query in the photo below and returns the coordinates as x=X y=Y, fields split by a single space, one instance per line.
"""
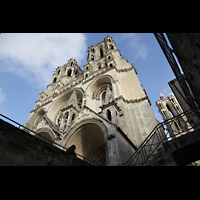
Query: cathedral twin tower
x=103 y=111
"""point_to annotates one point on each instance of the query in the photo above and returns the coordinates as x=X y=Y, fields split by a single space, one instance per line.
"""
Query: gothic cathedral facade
x=102 y=110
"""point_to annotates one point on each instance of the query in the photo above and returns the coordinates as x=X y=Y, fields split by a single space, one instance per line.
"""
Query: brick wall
x=19 y=148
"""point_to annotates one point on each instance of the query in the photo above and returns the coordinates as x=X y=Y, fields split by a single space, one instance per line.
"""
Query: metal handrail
x=52 y=142
x=158 y=136
x=142 y=151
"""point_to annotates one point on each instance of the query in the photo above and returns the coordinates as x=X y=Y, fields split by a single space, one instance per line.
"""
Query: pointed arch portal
x=89 y=142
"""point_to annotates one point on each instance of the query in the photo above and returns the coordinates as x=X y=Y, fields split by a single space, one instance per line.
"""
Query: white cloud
x=34 y=56
x=135 y=44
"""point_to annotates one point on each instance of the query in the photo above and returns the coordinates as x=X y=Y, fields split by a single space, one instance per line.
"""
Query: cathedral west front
x=102 y=110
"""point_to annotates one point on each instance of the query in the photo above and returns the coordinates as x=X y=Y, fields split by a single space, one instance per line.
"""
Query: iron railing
x=181 y=124
x=50 y=141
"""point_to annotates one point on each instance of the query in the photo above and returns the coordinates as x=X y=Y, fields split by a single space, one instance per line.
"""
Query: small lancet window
x=103 y=97
x=54 y=80
x=92 y=57
x=101 y=52
x=169 y=110
x=76 y=72
x=58 y=71
x=73 y=117
x=108 y=115
x=69 y=72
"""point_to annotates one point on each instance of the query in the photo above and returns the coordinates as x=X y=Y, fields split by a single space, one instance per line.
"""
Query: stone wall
x=185 y=149
x=186 y=46
x=19 y=148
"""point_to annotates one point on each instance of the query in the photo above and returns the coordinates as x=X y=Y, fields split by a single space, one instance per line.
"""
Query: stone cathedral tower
x=103 y=111
x=168 y=108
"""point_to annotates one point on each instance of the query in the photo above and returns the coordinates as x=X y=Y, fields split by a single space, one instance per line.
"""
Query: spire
x=162 y=96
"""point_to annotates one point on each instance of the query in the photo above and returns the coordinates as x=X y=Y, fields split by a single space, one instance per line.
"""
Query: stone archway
x=89 y=139
x=97 y=82
x=43 y=133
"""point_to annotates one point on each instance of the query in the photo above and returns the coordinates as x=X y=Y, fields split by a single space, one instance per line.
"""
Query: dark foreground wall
x=186 y=46
x=186 y=148
x=19 y=148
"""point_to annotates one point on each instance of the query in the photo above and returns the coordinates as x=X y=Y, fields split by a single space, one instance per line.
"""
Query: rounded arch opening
x=89 y=141
x=69 y=72
x=96 y=83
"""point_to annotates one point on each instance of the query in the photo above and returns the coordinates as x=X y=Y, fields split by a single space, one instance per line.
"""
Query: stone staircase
x=166 y=146
x=181 y=150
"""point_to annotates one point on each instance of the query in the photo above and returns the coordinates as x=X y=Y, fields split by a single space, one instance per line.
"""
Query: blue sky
x=27 y=62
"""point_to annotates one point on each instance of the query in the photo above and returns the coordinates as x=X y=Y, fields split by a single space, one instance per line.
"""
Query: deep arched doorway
x=89 y=142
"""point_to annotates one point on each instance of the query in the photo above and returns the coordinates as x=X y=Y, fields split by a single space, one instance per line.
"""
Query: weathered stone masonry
x=19 y=148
